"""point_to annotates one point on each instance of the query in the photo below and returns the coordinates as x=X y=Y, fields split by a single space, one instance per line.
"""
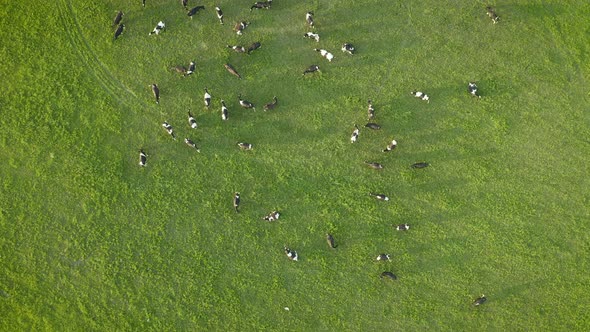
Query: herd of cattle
x=239 y=28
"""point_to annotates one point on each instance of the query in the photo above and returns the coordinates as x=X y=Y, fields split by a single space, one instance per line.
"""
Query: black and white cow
x=383 y=257
x=355 y=134
x=224 y=113
x=313 y=36
x=421 y=95
x=194 y=11
x=309 y=19
x=329 y=56
x=207 y=98
x=191 y=69
x=311 y=69
x=380 y=197
x=184 y=3
x=245 y=103
x=348 y=48
x=292 y=254
x=392 y=145
x=119 y=31
x=159 y=27
x=402 y=227
x=156 y=92
x=372 y=125
x=169 y=129
x=274 y=215
x=492 y=14
x=480 y=300
x=272 y=104
x=261 y=5
x=219 y=14
x=330 y=240
x=370 y=110
x=237 y=201
x=191 y=121
x=237 y=48
x=254 y=46
x=245 y=146
x=240 y=26
x=118 y=18
x=191 y=144
x=142 y=158
x=472 y=88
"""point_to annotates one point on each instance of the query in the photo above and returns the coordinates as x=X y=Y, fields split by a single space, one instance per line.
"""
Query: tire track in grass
x=91 y=61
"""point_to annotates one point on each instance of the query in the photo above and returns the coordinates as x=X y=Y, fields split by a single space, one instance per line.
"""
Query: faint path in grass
x=90 y=60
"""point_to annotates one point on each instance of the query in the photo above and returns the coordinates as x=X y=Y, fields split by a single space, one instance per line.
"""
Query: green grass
x=89 y=240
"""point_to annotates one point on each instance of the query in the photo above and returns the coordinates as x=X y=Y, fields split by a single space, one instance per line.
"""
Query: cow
x=191 y=69
x=355 y=134
x=184 y=3
x=472 y=88
x=388 y=275
x=329 y=56
x=312 y=35
x=309 y=19
x=274 y=215
x=272 y=104
x=245 y=146
x=311 y=69
x=237 y=201
x=232 y=70
x=380 y=197
x=372 y=125
x=330 y=240
x=219 y=14
x=207 y=98
x=194 y=11
x=347 y=48
x=421 y=95
x=224 y=114
x=245 y=103
x=143 y=3
x=119 y=31
x=374 y=165
x=156 y=92
x=402 y=227
x=292 y=254
x=370 y=110
x=480 y=300
x=492 y=14
x=169 y=129
x=142 y=158
x=237 y=49
x=180 y=69
x=191 y=121
x=118 y=18
x=261 y=4
x=240 y=26
x=159 y=27
x=392 y=145
x=383 y=257
x=191 y=144
x=420 y=165
x=254 y=46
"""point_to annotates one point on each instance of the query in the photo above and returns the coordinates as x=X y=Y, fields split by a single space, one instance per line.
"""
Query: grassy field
x=91 y=241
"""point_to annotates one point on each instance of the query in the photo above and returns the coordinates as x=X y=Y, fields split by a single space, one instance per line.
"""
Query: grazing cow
x=292 y=254
x=184 y=3
x=224 y=114
x=311 y=69
x=180 y=70
x=420 y=165
x=421 y=95
x=312 y=35
x=380 y=197
x=374 y=165
x=207 y=98
x=390 y=146
x=492 y=14
x=329 y=56
x=156 y=92
x=261 y=4
x=347 y=48
x=143 y=3
x=372 y=125
x=169 y=129
x=236 y=201
x=480 y=300
x=119 y=31
x=383 y=257
x=219 y=14
x=118 y=18
x=191 y=144
x=355 y=134
x=191 y=120
x=370 y=110
x=330 y=240
x=271 y=105
x=194 y=11
x=472 y=88
x=388 y=275
x=237 y=49
x=240 y=26
x=253 y=47
x=232 y=70
x=142 y=158
x=402 y=227
x=309 y=18
x=245 y=146
x=191 y=69
x=159 y=27
x=274 y=215
x=245 y=103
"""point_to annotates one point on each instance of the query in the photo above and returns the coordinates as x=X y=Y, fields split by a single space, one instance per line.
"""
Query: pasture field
x=92 y=241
